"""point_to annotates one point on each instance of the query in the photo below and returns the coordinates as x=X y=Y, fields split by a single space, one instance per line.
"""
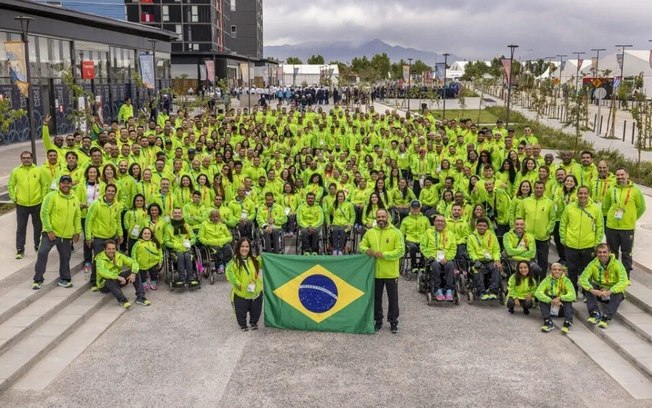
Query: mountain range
x=345 y=51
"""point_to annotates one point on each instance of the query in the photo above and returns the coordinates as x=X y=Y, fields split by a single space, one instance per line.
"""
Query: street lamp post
x=577 y=71
x=561 y=64
x=512 y=47
x=407 y=93
x=249 y=84
x=24 y=30
x=612 y=130
x=153 y=42
x=446 y=54
x=597 y=75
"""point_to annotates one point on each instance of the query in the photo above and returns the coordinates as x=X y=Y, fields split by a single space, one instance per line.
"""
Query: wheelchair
x=424 y=282
x=406 y=269
x=351 y=244
x=261 y=241
x=503 y=277
x=323 y=240
x=169 y=270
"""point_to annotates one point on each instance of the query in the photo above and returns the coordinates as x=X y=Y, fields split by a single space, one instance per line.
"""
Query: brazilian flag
x=325 y=293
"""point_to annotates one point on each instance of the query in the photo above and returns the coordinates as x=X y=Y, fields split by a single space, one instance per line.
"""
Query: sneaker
x=393 y=328
x=526 y=311
x=94 y=288
x=37 y=285
x=64 y=283
x=547 y=326
x=334 y=253
x=485 y=296
x=566 y=328
x=179 y=284
x=315 y=254
x=439 y=296
x=87 y=268
x=254 y=327
x=35 y=248
x=244 y=328
x=604 y=322
x=153 y=285
x=378 y=326
x=193 y=284
x=449 y=295
x=510 y=310
x=125 y=305
x=492 y=296
x=594 y=318
x=220 y=270
x=143 y=302
x=20 y=255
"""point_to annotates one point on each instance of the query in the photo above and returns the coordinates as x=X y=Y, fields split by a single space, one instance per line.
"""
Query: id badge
x=166 y=218
x=619 y=214
x=186 y=243
x=287 y=211
x=554 y=310
x=251 y=287
x=53 y=186
x=243 y=215
x=135 y=231
x=440 y=256
x=487 y=255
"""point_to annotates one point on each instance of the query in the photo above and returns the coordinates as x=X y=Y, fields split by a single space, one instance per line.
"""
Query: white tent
x=310 y=74
x=635 y=62
x=570 y=70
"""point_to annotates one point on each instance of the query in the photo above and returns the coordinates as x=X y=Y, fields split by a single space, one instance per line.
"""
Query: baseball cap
x=415 y=204
x=191 y=151
x=65 y=178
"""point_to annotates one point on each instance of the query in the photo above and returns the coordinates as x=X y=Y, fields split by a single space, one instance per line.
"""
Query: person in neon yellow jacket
x=538 y=212
x=385 y=243
x=556 y=293
x=135 y=220
x=604 y=279
x=521 y=287
x=149 y=254
x=195 y=212
x=484 y=253
x=180 y=239
x=439 y=245
x=244 y=210
x=26 y=191
x=341 y=220
x=521 y=246
x=115 y=270
x=245 y=275
x=413 y=227
x=310 y=218
x=126 y=111
x=215 y=235
x=271 y=218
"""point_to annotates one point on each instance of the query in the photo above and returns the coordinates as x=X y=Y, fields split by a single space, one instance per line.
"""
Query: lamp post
x=249 y=84
x=612 y=130
x=446 y=54
x=561 y=64
x=596 y=75
x=512 y=47
x=407 y=93
x=153 y=42
x=24 y=30
x=577 y=71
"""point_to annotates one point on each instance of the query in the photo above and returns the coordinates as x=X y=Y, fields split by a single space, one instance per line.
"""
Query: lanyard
x=443 y=240
x=629 y=192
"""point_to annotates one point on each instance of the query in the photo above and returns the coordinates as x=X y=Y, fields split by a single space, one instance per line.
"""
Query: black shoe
x=526 y=311
x=254 y=327
x=244 y=328
x=378 y=326
x=510 y=310
x=179 y=284
x=393 y=328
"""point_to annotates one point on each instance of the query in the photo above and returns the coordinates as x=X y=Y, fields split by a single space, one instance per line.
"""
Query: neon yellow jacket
x=133 y=217
x=414 y=226
x=550 y=288
x=433 y=241
x=194 y=214
x=103 y=220
x=25 y=186
x=479 y=246
x=528 y=286
x=539 y=215
x=175 y=241
x=628 y=198
x=214 y=234
x=61 y=214
x=147 y=253
x=519 y=249
x=310 y=216
x=275 y=212
x=612 y=277
x=241 y=276
x=110 y=270
x=581 y=228
x=343 y=215
x=390 y=242
x=460 y=228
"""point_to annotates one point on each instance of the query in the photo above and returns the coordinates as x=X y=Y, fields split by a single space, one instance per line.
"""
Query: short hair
x=482 y=220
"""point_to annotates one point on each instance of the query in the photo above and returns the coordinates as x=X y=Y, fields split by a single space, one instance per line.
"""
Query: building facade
x=246 y=28
x=105 y=8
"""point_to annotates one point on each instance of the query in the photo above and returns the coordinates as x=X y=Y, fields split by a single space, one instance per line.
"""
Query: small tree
x=8 y=115
x=294 y=61
x=642 y=115
x=78 y=115
x=316 y=60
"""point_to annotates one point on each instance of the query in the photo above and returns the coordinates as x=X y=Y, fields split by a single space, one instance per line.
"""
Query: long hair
x=237 y=257
x=153 y=239
x=518 y=278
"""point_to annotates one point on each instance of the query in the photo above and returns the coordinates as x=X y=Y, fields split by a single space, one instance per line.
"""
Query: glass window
x=4 y=68
x=166 y=13
x=44 y=57
x=233 y=31
x=195 y=14
x=232 y=5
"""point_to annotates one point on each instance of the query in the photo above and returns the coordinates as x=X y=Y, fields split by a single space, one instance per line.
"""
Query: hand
x=517 y=302
x=131 y=278
x=378 y=254
x=268 y=229
x=311 y=230
x=556 y=301
x=371 y=252
x=88 y=242
x=75 y=238
x=444 y=261
x=528 y=297
x=122 y=280
x=595 y=292
x=605 y=293
x=47 y=119
x=51 y=236
x=498 y=266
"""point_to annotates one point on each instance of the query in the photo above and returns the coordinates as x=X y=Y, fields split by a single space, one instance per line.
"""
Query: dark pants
x=152 y=273
x=494 y=277
x=610 y=308
x=566 y=310
x=184 y=266
x=413 y=249
x=98 y=246
x=392 y=297
x=462 y=257
x=543 y=251
x=272 y=240
x=416 y=187
x=22 y=216
x=245 y=229
x=561 y=250
x=500 y=231
x=621 y=243
x=243 y=306
x=88 y=250
x=449 y=276
x=291 y=225
x=339 y=238
x=113 y=286
x=310 y=242
x=223 y=255
x=64 y=246
x=577 y=260
x=525 y=304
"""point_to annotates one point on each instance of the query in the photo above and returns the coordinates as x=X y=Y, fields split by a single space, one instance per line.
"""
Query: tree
x=477 y=70
x=315 y=60
x=293 y=61
x=419 y=67
x=381 y=64
x=8 y=115
x=79 y=115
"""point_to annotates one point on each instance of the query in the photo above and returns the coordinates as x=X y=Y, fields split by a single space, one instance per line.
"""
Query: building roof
x=91 y=20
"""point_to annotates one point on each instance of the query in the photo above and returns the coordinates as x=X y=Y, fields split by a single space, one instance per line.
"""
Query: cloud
x=468 y=28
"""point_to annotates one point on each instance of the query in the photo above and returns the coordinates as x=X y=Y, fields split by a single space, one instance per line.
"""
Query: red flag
x=507 y=64
x=88 y=70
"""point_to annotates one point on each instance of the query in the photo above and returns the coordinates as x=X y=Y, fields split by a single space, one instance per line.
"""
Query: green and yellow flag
x=324 y=293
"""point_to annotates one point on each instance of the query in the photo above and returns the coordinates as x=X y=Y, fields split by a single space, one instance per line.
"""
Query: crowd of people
x=449 y=194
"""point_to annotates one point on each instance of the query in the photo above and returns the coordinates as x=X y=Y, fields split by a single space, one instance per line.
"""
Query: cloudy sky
x=467 y=28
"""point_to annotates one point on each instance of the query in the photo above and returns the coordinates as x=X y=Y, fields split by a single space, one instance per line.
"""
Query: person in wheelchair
x=244 y=209
x=484 y=253
x=343 y=219
x=216 y=237
x=310 y=219
x=459 y=226
x=521 y=246
x=413 y=227
x=439 y=246
x=271 y=218
x=180 y=240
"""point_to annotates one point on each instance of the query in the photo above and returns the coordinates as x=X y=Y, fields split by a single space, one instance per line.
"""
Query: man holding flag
x=385 y=243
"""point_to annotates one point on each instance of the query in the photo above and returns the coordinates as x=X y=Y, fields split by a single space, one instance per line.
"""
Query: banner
x=17 y=68
x=406 y=72
x=440 y=70
x=88 y=70
x=579 y=63
x=210 y=70
x=319 y=293
x=619 y=59
x=147 y=70
x=650 y=59
x=507 y=64
x=617 y=81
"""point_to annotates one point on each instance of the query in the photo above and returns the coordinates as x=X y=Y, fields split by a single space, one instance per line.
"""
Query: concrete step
x=622 y=371
x=39 y=311
x=623 y=340
x=52 y=365
x=23 y=355
x=636 y=319
x=640 y=295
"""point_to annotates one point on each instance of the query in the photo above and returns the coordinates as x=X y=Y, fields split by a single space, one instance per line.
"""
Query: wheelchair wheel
x=211 y=277
x=470 y=296
x=422 y=284
x=461 y=282
x=167 y=271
